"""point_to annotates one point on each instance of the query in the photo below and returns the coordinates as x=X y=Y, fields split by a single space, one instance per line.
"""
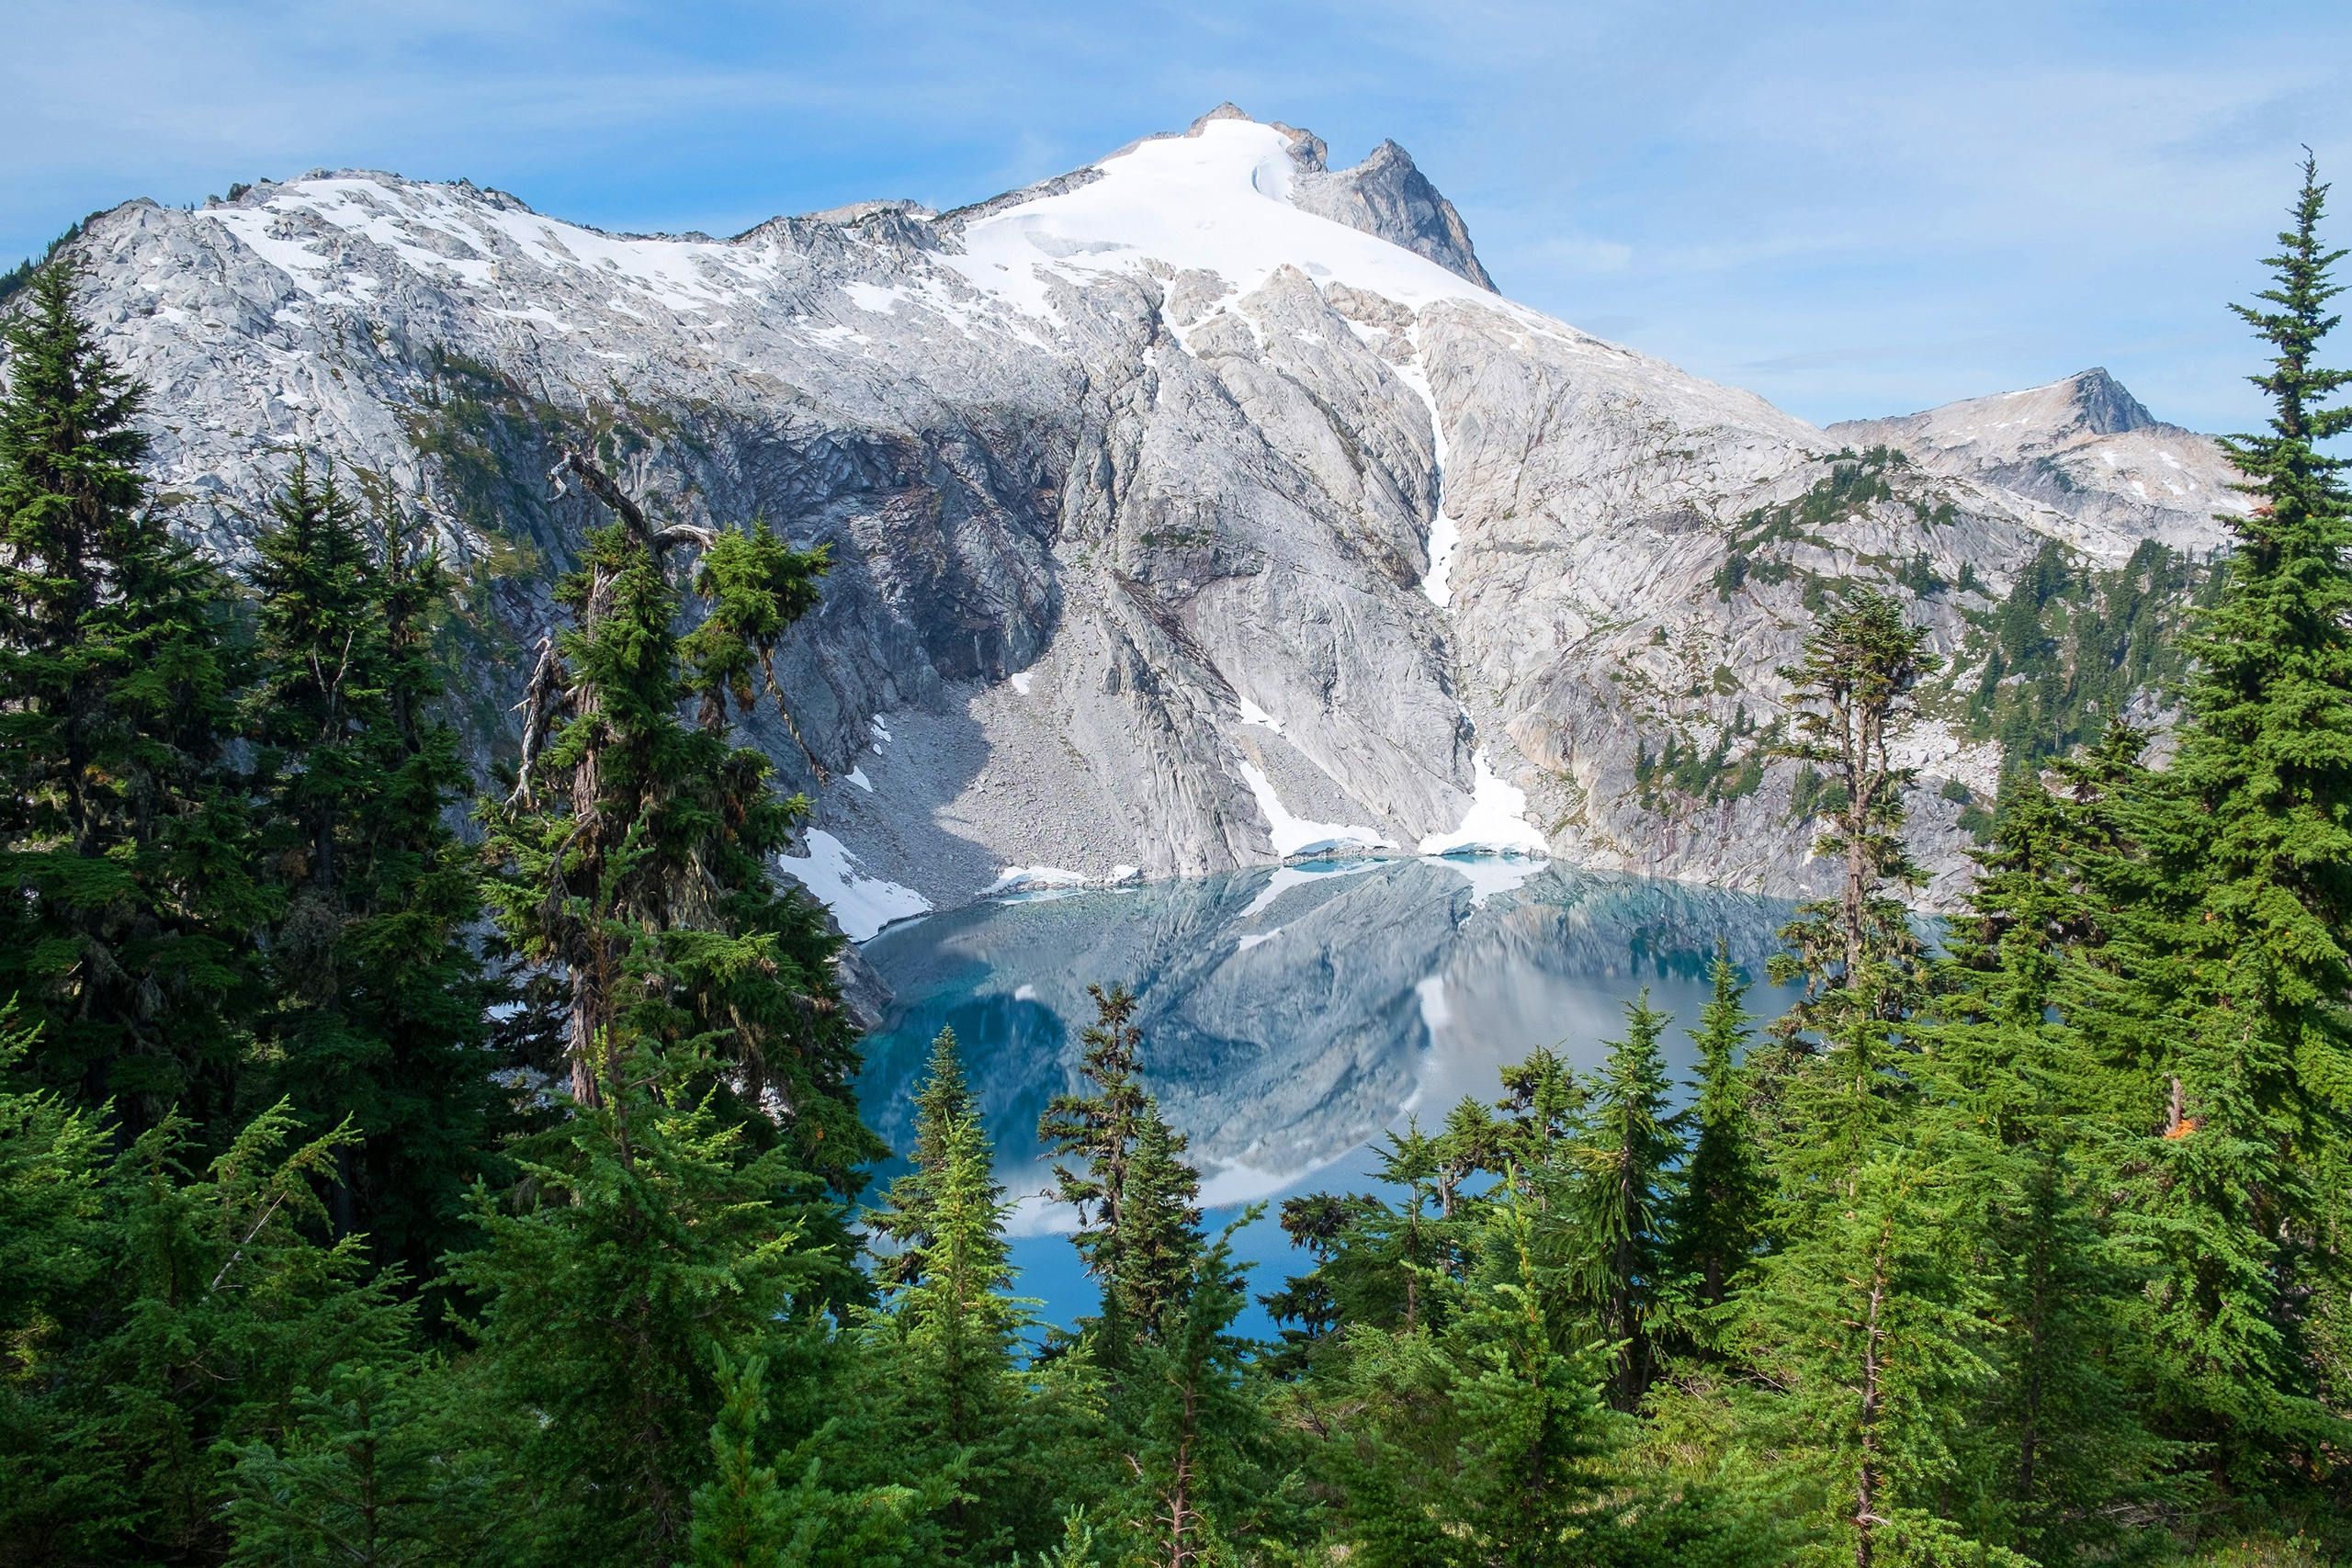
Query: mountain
x=1199 y=507
x=2083 y=446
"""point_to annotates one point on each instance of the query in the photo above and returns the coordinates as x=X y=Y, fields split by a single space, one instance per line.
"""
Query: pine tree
x=2229 y=920
x=212 y=1309
x=907 y=1209
x=1623 y=1159
x=1717 y=1211
x=1856 y=688
x=646 y=1241
x=1136 y=1197
x=633 y=853
x=379 y=1000
x=123 y=835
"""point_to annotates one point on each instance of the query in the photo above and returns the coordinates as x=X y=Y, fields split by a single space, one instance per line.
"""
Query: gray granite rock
x=1181 y=508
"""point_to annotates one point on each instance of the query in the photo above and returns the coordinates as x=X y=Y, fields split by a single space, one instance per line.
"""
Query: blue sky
x=1853 y=210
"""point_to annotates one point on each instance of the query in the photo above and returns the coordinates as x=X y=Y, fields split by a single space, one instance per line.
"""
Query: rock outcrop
x=1201 y=507
x=2083 y=446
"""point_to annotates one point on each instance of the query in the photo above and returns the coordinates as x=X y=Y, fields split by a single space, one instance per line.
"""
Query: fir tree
x=212 y=1307
x=1471 y=1141
x=1544 y=1102
x=1866 y=1321
x=363 y=1475
x=1856 y=687
x=1716 y=1212
x=960 y=1329
x=1322 y=1225
x=2227 y=906
x=745 y=1517
x=1160 y=1235
x=379 y=1000
x=1389 y=1258
x=52 y=1157
x=124 y=839
x=1197 y=1424
x=645 y=1242
x=740 y=1519
x=2055 y=1449
x=1534 y=1429
x=1140 y=1224
x=908 y=1208
x=633 y=854
x=1625 y=1157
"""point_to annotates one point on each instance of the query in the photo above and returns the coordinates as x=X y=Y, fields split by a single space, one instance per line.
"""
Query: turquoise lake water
x=1291 y=1016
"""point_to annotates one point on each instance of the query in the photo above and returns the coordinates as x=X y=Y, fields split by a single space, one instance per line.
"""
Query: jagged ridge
x=1194 y=507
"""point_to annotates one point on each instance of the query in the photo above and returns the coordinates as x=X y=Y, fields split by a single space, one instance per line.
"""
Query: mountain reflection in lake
x=1291 y=1015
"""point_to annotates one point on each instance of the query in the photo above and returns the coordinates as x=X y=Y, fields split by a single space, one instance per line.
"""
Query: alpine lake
x=1293 y=1017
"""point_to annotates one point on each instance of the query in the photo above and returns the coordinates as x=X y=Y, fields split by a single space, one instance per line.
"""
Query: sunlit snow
x=1445 y=534
x=1296 y=835
x=863 y=905
x=1034 y=879
x=874 y=298
x=424 y=224
x=1217 y=199
x=1252 y=714
x=1496 y=819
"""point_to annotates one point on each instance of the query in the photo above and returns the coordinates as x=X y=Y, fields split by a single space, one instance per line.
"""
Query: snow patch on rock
x=1296 y=835
x=1034 y=879
x=1445 y=534
x=1252 y=714
x=1496 y=819
x=862 y=904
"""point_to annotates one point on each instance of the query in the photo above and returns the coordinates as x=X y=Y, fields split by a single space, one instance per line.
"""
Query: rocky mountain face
x=2083 y=446
x=1199 y=508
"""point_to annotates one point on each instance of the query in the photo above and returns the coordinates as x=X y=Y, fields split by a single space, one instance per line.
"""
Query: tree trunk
x=1866 y=1479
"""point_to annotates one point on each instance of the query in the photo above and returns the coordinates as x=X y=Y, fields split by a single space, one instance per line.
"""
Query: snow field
x=862 y=904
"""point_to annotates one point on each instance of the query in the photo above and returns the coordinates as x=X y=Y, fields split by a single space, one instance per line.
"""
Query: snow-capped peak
x=1217 y=199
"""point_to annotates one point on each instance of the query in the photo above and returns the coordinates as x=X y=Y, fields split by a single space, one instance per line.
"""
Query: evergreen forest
x=401 y=1166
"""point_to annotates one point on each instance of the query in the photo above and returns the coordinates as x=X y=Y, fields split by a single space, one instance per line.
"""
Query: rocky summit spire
x=1384 y=195
x=1387 y=195
x=2107 y=409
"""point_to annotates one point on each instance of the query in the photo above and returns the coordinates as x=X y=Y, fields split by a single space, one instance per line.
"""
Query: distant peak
x=2106 y=408
x=1227 y=110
